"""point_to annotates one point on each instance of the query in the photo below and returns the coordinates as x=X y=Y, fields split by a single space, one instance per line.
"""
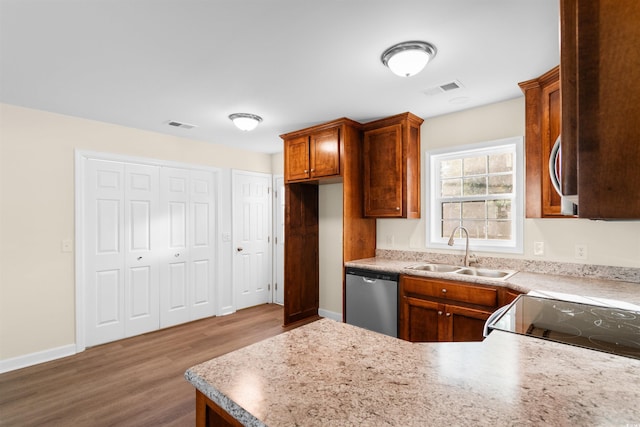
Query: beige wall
x=330 y=213
x=614 y=243
x=37 y=288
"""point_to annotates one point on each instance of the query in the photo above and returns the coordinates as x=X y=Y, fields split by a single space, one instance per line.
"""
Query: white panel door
x=278 y=294
x=104 y=274
x=142 y=243
x=174 y=294
x=187 y=281
x=251 y=235
x=202 y=244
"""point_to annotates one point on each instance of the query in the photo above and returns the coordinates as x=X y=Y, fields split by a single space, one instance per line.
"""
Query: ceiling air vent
x=447 y=87
x=181 y=125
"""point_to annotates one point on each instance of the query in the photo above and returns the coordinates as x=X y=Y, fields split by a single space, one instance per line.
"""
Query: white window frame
x=433 y=238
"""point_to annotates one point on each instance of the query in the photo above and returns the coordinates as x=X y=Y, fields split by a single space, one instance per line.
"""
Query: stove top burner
x=614 y=313
x=607 y=329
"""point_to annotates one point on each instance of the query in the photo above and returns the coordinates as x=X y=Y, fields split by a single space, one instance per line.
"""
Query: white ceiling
x=296 y=63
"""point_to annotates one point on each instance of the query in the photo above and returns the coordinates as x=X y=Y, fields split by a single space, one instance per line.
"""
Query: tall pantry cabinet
x=378 y=164
x=322 y=154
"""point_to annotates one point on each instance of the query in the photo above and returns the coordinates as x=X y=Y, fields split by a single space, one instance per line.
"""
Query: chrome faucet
x=467 y=258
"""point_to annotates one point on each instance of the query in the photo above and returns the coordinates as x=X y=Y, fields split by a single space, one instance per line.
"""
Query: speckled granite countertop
x=596 y=290
x=333 y=374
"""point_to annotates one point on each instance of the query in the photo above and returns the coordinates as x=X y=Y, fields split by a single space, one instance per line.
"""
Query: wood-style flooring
x=133 y=382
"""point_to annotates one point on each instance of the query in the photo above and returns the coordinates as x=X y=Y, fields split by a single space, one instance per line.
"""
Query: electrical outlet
x=538 y=248
x=580 y=252
x=390 y=239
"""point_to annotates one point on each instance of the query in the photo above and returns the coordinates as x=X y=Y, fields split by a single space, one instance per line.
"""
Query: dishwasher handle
x=370 y=275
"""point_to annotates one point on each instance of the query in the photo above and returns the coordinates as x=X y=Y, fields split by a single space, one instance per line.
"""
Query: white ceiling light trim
x=245 y=121
x=407 y=59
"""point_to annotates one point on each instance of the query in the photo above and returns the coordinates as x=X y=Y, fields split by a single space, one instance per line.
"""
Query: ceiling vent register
x=180 y=125
x=447 y=87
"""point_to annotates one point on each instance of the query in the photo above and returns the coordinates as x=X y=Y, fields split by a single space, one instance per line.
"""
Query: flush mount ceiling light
x=408 y=58
x=245 y=121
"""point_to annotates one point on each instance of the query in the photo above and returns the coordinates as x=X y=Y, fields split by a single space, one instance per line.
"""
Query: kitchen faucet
x=467 y=259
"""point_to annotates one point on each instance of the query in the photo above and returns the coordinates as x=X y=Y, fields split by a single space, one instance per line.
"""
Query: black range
x=608 y=329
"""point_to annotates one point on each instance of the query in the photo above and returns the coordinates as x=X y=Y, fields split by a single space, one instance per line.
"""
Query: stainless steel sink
x=468 y=271
x=438 y=268
x=485 y=272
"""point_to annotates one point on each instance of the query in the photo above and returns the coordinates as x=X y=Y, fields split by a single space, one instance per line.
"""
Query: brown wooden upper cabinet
x=312 y=155
x=600 y=83
x=543 y=118
x=392 y=167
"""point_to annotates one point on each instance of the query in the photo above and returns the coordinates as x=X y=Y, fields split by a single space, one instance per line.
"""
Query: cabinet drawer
x=470 y=294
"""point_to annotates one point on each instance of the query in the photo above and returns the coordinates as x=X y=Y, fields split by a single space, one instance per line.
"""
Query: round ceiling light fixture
x=245 y=121
x=408 y=58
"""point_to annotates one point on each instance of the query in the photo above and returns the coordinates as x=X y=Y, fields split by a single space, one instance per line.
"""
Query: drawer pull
x=444 y=291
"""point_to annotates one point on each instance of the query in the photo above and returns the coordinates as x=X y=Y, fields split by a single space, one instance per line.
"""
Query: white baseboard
x=36 y=358
x=330 y=315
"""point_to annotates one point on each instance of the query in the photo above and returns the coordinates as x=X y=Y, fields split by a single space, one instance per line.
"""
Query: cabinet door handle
x=313 y=170
x=439 y=313
x=444 y=291
x=397 y=208
x=306 y=171
x=448 y=314
x=239 y=249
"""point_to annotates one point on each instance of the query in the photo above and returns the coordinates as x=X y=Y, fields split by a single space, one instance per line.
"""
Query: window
x=479 y=187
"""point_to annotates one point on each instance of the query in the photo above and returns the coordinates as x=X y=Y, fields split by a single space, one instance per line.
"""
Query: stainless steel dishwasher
x=372 y=300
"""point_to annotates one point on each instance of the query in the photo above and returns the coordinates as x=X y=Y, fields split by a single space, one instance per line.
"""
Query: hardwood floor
x=133 y=382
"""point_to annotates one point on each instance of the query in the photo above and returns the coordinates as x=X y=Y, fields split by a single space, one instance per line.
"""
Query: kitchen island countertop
x=329 y=373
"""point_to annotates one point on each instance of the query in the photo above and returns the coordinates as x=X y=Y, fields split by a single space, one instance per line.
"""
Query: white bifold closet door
x=149 y=234
x=187 y=270
x=122 y=293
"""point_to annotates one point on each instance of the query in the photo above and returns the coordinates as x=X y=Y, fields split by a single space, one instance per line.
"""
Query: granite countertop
x=590 y=290
x=333 y=374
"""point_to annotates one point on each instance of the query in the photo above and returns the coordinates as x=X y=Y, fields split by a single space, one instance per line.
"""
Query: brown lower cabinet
x=433 y=310
x=209 y=414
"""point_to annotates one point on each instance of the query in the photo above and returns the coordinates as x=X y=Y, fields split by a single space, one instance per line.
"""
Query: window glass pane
x=501 y=163
x=476 y=228
x=448 y=226
x=473 y=210
x=499 y=209
x=451 y=211
x=475 y=165
x=500 y=184
x=451 y=168
x=451 y=187
x=499 y=230
x=475 y=186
